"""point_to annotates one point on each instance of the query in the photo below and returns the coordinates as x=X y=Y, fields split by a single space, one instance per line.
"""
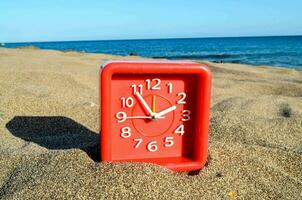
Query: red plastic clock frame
x=203 y=94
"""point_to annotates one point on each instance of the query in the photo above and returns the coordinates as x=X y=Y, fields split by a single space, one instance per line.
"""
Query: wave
x=224 y=56
x=209 y=56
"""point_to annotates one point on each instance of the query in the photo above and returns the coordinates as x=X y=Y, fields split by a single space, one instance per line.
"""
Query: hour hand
x=142 y=100
x=164 y=112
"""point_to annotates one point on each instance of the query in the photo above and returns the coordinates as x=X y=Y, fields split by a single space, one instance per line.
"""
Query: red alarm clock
x=156 y=112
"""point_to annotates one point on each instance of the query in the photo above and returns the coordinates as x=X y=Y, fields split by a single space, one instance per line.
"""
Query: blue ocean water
x=283 y=51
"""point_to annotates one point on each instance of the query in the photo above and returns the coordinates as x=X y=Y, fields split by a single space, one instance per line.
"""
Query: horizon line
x=167 y=38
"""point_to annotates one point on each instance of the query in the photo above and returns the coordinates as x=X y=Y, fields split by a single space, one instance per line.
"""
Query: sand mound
x=266 y=120
x=49 y=134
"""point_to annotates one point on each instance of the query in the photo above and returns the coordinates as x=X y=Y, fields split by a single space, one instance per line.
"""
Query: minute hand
x=142 y=100
x=161 y=113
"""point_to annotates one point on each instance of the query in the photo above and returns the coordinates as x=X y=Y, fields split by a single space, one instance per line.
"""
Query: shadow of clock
x=55 y=133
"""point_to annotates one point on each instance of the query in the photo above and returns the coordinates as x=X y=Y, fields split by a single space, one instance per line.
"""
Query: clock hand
x=141 y=117
x=142 y=100
x=161 y=113
x=153 y=104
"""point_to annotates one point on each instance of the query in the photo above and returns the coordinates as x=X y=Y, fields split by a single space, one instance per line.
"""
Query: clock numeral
x=156 y=84
x=186 y=115
x=126 y=132
x=180 y=130
x=182 y=98
x=138 y=88
x=138 y=142
x=121 y=117
x=127 y=102
x=152 y=147
x=169 y=142
x=170 y=87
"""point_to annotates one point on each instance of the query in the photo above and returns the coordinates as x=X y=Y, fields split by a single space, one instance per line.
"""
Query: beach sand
x=49 y=122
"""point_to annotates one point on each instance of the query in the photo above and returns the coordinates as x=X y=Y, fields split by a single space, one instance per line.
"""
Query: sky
x=61 y=20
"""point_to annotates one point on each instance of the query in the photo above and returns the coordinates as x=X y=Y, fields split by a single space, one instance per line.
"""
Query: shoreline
x=214 y=57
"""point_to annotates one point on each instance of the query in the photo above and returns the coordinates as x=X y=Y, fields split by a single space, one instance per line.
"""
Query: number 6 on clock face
x=155 y=112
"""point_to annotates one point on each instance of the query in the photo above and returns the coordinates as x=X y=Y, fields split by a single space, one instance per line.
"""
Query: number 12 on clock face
x=151 y=113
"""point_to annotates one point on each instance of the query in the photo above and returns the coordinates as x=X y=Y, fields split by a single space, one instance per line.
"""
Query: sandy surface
x=49 y=134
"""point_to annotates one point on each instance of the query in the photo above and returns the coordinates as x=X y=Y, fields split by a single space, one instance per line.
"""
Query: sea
x=280 y=51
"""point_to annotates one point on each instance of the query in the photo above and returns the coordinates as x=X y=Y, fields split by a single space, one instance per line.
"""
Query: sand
x=49 y=121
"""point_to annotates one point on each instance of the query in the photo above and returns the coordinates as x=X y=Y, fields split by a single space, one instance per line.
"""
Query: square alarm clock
x=156 y=112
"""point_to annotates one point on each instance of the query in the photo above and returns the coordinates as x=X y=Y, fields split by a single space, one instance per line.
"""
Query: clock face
x=152 y=116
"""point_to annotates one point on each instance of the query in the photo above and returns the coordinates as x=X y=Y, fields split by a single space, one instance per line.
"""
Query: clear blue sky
x=55 y=20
